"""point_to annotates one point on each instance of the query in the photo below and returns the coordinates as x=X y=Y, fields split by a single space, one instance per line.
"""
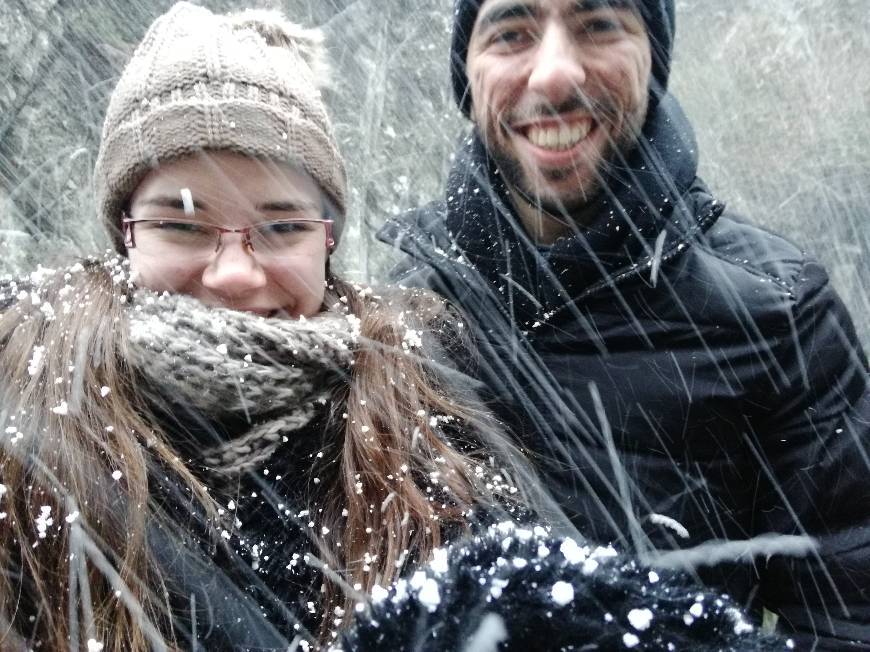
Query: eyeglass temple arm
x=127 y=231
x=330 y=240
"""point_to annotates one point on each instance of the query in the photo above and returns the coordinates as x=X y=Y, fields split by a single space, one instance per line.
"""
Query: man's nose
x=558 y=70
x=233 y=270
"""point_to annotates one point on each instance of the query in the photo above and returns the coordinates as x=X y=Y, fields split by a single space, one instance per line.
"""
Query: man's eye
x=601 y=26
x=512 y=37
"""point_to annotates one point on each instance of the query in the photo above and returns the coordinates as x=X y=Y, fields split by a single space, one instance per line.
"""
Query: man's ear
x=471 y=115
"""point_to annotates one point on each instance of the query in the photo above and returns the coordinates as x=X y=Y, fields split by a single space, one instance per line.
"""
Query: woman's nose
x=233 y=271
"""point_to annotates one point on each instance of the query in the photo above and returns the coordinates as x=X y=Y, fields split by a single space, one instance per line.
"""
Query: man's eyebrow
x=287 y=206
x=515 y=10
x=501 y=13
x=594 y=5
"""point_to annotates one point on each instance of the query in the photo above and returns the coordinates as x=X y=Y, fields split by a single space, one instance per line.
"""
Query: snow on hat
x=657 y=14
x=199 y=81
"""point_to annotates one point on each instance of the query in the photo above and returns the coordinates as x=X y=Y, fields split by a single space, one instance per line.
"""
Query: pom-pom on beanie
x=199 y=81
x=658 y=15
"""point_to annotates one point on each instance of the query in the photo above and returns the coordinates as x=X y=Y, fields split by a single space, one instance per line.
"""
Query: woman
x=213 y=441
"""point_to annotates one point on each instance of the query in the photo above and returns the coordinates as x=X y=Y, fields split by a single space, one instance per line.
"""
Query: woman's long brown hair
x=89 y=576
x=80 y=445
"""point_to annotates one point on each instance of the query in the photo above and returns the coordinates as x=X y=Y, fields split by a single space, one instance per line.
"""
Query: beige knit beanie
x=200 y=81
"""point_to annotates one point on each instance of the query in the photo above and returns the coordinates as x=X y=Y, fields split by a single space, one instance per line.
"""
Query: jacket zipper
x=665 y=257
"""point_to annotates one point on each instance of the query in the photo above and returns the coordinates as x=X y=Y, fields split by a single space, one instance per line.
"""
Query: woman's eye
x=278 y=228
x=182 y=227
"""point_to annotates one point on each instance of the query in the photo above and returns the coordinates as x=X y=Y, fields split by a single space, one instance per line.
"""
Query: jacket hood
x=643 y=217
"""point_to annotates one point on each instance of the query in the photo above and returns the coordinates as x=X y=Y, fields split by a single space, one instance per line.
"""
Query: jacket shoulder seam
x=787 y=285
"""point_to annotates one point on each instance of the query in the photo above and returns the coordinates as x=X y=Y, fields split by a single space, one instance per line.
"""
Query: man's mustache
x=600 y=111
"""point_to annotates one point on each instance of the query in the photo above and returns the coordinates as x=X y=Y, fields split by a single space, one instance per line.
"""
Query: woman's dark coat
x=259 y=588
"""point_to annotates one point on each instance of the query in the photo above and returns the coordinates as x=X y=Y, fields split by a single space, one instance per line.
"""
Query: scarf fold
x=641 y=214
x=255 y=382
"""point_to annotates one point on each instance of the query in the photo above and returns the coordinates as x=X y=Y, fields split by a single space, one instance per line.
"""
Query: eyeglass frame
x=130 y=240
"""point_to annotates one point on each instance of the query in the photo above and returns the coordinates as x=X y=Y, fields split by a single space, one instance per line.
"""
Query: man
x=681 y=375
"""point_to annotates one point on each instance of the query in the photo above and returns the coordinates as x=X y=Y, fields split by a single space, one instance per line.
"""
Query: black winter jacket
x=261 y=592
x=259 y=587
x=254 y=586
x=681 y=374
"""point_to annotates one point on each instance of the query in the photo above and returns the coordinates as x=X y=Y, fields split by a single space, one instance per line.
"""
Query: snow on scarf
x=237 y=368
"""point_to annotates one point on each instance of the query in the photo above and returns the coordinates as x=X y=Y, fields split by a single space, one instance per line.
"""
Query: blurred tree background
x=778 y=90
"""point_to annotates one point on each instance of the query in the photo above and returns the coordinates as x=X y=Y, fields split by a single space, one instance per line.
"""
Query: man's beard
x=566 y=205
x=515 y=177
x=574 y=204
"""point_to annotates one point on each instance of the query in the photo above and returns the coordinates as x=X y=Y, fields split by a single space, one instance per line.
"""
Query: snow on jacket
x=516 y=588
x=681 y=374
x=257 y=430
x=278 y=549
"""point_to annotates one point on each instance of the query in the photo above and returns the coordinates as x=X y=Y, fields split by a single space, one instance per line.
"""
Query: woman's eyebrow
x=170 y=201
x=288 y=206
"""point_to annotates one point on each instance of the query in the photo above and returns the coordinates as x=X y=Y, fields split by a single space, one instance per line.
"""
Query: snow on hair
x=277 y=31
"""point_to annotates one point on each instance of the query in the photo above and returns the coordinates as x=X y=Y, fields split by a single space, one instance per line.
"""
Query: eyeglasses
x=276 y=239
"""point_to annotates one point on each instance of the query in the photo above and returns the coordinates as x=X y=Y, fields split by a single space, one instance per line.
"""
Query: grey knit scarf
x=233 y=367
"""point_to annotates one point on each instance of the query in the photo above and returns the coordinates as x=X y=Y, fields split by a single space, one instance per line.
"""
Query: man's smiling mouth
x=556 y=136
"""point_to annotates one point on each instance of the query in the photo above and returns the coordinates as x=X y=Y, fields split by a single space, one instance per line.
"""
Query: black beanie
x=657 y=14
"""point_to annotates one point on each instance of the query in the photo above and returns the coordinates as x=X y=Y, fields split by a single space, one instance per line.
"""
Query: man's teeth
x=560 y=137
